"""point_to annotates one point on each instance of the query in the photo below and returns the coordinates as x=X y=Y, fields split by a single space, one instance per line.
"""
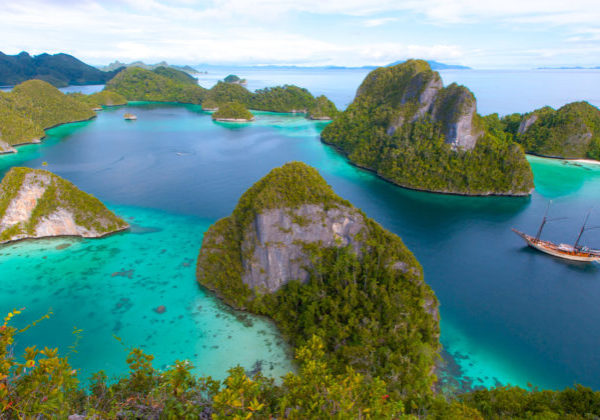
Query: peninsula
x=33 y=106
x=296 y=252
x=36 y=204
x=410 y=130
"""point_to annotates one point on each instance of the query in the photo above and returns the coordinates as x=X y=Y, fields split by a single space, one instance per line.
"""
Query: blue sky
x=477 y=33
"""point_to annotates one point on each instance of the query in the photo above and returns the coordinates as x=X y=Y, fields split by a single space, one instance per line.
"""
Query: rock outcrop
x=295 y=251
x=416 y=92
x=276 y=237
x=6 y=148
x=412 y=131
x=36 y=204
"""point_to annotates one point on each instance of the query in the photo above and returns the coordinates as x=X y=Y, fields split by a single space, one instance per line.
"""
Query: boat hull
x=552 y=249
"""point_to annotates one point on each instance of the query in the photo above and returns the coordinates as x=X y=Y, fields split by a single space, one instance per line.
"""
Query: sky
x=486 y=34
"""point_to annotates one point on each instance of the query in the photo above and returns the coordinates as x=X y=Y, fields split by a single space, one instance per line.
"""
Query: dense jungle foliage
x=372 y=316
x=159 y=85
x=416 y=153
x=99 y=99
x=34 y=106
x=58 y=69
x=232 y=111
x=572 y=131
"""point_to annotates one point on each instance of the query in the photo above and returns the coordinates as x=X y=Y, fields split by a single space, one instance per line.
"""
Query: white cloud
x=370 y=23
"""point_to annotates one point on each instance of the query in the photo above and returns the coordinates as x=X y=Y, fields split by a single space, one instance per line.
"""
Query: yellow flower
x=30 y=363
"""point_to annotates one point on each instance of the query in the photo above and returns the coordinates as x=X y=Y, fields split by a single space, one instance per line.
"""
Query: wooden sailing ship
x=573 y=252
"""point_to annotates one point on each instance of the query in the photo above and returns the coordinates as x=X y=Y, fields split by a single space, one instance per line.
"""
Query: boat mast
x=539 y=232
x=583 y=229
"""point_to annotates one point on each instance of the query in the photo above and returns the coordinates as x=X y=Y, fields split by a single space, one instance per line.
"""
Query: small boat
x=130 y=117
x=574 y=252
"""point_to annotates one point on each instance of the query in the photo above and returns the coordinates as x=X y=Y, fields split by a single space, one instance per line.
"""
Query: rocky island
x=412 y=131
x=36 y=204
x=33 y=106
x=99 y=99
x=295 y=251
x=570 y=132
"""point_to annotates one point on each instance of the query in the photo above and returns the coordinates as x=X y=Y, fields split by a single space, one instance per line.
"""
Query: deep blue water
x=509 y=314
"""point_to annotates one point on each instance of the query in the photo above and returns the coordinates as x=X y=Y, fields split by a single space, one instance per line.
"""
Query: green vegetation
x=226 y=92
x=232 y=78
x=165 y=85
x=58 y=69
x=232 y=111
x=34 y=106
x=287 y=98
x=278 y=99
x=87 y=211
x=391 y=130
x=323 y=109
x=176 y=75
x=371 y=316
x=98 y=99
x=572 y=131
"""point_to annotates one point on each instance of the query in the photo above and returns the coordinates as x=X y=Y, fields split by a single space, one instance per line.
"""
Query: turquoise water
x=509 y=315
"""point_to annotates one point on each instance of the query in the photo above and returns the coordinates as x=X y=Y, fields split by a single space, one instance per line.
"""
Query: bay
x=509 y=315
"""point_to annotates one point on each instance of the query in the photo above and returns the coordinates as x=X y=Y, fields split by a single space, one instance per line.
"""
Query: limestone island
x=35 y=203
x=232 y=112
x=32 y=107
x=570 y=132
x=409 y=129
x=296 y=252
x=129 y=117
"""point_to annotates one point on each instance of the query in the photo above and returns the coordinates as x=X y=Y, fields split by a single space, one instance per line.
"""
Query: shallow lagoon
x=509 y=315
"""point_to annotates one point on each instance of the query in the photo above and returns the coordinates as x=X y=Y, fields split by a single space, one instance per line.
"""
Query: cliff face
x=415 y=92
x=276 y=238
x=298 y=253
x=37 y=204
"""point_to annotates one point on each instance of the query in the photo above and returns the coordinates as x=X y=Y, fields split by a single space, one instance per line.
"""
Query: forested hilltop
x=296 y=252
x=33 y=106
x=160 y=85
x=409 y=129
x=58 y=69
x=570 y=132
x=287 y=98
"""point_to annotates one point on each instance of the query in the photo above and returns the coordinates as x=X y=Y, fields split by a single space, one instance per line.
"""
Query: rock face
x=422 y=95
x=276 y=238
x=36 y=204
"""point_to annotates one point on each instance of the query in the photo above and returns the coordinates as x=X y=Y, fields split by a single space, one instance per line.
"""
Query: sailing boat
x=573 y=252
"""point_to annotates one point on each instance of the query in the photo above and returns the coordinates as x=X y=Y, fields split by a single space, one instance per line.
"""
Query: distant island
x=36 y=204
x=232 y=112
x=232 y=78
x=115 y=65
x=59 y=70
x=570 y=132
x=435 y=65
x=569 y=68
x=412 y=131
